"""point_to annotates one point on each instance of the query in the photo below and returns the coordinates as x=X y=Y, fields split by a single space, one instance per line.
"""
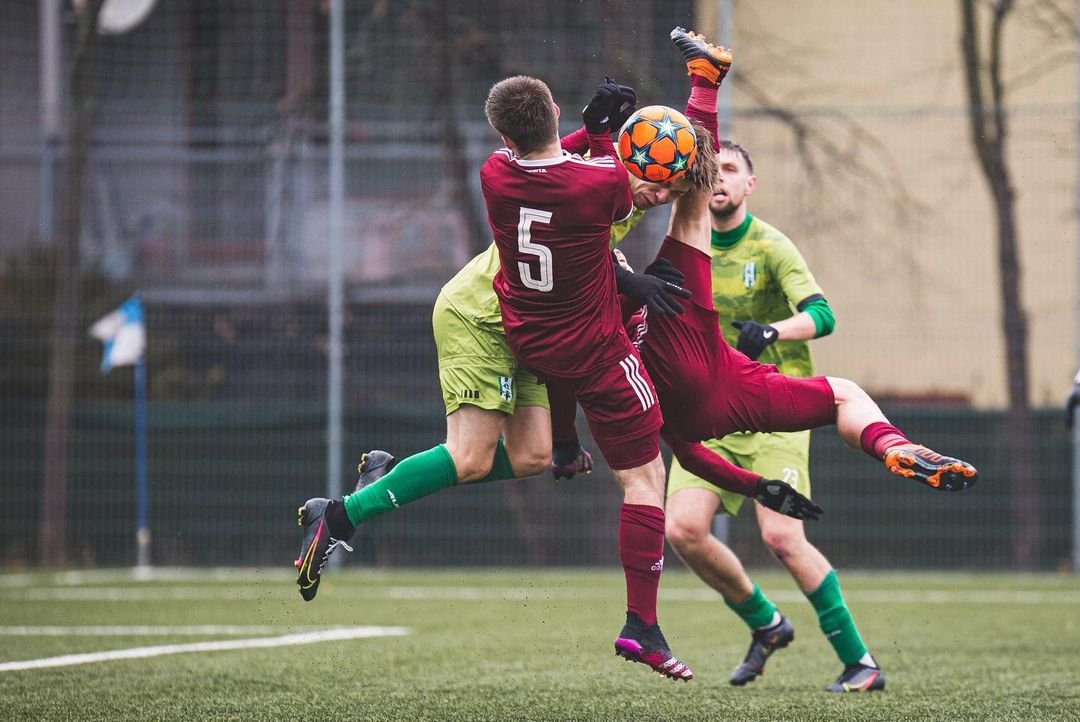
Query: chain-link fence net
x=206 y=190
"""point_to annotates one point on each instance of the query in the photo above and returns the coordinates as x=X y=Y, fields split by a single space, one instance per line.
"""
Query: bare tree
x=52 y=543
x=989 y=134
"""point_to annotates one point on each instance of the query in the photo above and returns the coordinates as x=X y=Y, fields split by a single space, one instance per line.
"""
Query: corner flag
x=123 y=334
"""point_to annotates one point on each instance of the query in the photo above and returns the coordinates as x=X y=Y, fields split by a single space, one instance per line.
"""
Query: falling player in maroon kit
x=707 y=389
x=551 y=214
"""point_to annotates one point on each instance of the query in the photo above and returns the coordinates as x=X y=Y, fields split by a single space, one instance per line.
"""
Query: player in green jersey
x=758 y=277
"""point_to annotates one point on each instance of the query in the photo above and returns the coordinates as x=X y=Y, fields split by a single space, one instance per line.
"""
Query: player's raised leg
x=861 y=424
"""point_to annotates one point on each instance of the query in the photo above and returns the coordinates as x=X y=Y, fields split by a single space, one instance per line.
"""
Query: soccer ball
x=657 y=144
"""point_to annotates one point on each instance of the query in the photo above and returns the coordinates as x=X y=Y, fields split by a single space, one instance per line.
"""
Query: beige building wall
x=894 y=217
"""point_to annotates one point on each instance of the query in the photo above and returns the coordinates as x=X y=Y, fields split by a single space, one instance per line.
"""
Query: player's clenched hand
x=783 y=498
x=651 y=290
x=623 y=107
x=611 y=105
x=754 y=337
x=569 y=458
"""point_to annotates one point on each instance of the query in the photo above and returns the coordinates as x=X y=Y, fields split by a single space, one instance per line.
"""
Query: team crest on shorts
x=506 y=388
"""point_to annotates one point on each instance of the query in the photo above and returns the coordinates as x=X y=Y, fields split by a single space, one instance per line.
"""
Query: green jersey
x=761 y=276
x=470 y=292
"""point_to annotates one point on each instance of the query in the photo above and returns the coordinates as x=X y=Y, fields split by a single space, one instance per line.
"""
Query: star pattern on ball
x=664 y=128
x=640 y=158
x=680 y=163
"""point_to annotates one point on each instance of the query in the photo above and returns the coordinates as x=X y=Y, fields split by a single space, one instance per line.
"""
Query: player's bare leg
x=472 y=434
x=861 y=424
x=690 y=513
x=527 y=435
x=786 y=539
x=641 y=550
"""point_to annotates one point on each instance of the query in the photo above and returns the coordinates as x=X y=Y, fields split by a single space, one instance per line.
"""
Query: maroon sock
x=641 y=551
x=701 y=106
x=879 y=437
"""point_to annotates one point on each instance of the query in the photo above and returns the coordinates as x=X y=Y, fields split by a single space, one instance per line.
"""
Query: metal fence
x=207 y=191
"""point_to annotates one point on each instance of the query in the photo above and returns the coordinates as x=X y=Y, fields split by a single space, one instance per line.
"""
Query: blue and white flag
x=123 y=334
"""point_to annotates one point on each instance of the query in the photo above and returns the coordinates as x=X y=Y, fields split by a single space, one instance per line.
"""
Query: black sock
x=337 y=521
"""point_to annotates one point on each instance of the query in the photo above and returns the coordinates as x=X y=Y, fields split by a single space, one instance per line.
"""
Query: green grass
x=535 y=645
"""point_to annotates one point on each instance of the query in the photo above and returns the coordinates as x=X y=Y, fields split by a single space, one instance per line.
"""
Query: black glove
x=597 y=114
x=1070 y=406
x=783 y=498
x=754 y=337
x=624 y=108
x=569 y=458
x=651 y=289
x=662 y=269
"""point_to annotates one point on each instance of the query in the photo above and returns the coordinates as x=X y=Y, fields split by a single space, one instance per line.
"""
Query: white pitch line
x=143 y=630
x=157 y=651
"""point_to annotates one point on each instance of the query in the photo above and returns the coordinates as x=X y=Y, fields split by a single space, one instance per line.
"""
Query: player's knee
x=846 y=389
x=470 y=464
x=685 y=533
x=783 y=541
x=529 y=462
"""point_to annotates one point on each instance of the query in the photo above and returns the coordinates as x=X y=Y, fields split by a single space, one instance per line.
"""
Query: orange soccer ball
x=657 y=144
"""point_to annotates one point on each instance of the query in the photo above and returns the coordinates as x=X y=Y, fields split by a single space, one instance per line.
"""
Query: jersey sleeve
x=709 y=466
x=576 y=142
x=791 y=272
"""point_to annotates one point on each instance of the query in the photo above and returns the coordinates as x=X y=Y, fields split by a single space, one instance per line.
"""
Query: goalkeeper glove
x=569 y=458
x=754 y=337
x=651 y=289
x=783 y=498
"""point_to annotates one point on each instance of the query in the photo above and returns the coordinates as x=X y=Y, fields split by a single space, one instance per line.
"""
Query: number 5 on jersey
x=526 y=218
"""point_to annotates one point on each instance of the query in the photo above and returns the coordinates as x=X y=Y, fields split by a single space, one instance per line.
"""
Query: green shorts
x=476 y=366
x=784 y=456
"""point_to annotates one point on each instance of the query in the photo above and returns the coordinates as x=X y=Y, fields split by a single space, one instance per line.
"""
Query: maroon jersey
x=552 y=225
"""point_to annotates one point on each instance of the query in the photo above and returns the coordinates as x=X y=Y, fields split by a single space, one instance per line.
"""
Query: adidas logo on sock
x=658 y=566
x=393 y=499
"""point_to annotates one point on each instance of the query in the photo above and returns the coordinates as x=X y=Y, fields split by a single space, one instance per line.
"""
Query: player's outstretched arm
x=715 y=469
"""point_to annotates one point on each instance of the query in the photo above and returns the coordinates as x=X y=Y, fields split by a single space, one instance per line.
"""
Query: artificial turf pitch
x=523 y=644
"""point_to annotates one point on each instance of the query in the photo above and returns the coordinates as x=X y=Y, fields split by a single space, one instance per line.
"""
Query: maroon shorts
x=620 y=403
x=709 y=389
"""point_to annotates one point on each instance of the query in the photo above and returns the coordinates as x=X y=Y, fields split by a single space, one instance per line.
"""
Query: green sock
x=411 y=479
x=836 y=621
x=757 y=611
x=500 y=466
